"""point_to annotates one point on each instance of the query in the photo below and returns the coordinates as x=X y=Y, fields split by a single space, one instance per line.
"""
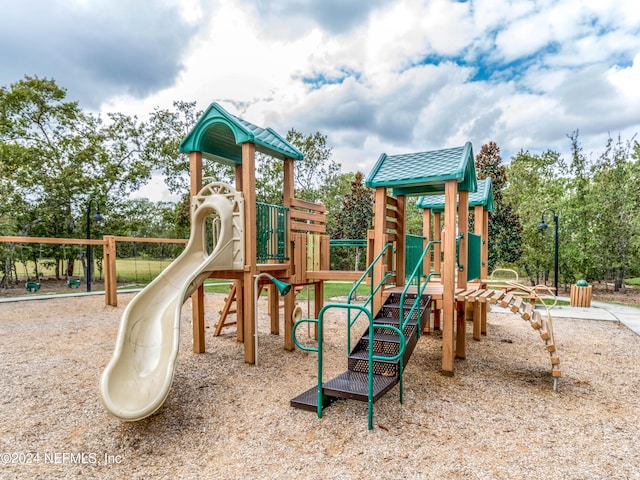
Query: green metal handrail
x=415 y=275
x=372 y=292
x=371 y=356
x=347 y=242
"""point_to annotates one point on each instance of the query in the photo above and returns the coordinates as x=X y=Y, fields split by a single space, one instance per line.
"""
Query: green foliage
x=58 y=159
x=615 y=222
x=317 y=170
x=533 y=186
x=504 y=224
x=354 y=219
x=167 y=128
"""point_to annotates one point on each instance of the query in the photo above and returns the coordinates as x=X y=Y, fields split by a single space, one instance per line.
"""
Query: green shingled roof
x=220 y=135
x=483 y=196
x=425 y=172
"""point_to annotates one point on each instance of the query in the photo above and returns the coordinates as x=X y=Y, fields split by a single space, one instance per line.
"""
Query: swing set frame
x=108 y=243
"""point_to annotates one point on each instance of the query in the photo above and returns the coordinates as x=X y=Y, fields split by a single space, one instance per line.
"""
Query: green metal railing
x=416 y=276
x=347 y=242
x=373 y=289
x=272 y=231
x=371 y=356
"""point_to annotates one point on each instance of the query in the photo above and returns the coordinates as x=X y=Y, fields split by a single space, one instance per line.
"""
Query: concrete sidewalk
x=628 y=316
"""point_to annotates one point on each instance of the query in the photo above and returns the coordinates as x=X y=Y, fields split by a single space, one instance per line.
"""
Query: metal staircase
x=374 y=371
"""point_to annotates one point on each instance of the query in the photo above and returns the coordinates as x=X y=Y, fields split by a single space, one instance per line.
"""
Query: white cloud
x=398 y=75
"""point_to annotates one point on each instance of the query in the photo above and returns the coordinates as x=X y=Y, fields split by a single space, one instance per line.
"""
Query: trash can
x=580 y=294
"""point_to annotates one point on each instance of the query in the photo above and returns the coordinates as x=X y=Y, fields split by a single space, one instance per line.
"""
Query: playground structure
x=252 y=244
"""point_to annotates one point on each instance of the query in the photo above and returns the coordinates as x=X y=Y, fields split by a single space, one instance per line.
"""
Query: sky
x=374 y=76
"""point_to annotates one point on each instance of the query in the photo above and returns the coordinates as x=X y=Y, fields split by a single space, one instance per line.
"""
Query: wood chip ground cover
x=498 y=417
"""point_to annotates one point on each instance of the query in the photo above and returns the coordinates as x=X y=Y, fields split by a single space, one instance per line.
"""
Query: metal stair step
x=354 y=385
x=358 y=361
x=309 y=400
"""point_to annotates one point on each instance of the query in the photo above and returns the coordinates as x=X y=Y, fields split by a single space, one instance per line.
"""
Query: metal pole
x=88 y=279
x=555 y=219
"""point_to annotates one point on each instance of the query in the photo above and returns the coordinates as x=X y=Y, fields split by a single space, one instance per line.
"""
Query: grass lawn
x=331 y=289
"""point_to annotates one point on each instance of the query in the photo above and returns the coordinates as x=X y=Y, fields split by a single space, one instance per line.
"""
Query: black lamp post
x=543 y=226
x=97 y=217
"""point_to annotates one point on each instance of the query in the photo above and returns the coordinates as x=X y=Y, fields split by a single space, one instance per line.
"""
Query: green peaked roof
x=483 y=196
x=220 y=135
x=425 y=172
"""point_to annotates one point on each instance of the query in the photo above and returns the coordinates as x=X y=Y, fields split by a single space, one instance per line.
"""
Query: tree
x=616 y=216
x=533 y=186
x=356 y=215
x=504 y=225
x=167 y=129
x=314 y=177
x=59 y=158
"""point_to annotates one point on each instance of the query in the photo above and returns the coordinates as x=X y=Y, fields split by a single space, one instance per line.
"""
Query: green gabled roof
x=220 y=135
x=425 y=172
x=483 y=196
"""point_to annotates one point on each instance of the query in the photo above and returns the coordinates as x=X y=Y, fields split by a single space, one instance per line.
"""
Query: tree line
x=58 y=163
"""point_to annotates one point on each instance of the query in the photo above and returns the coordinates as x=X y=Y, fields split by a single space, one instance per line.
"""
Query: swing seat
x=32 y=286
x=73 y=283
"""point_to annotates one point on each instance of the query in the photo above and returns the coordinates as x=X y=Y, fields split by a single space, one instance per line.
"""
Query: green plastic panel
x=474 y=258
x=414 y=247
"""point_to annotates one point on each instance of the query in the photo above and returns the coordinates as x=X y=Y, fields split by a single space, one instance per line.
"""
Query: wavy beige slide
x=137 y=379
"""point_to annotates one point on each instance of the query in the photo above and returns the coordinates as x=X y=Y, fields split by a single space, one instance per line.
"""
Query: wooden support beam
x=477 y=320
x=401 y=243
x=379 y=229
x=289 y=306
x=461 y=330
x=437 y=236
x=426 y=233
x=197 y=298
x=250 y=246
x=463 y=231
x=448 y=277
x=274 y=308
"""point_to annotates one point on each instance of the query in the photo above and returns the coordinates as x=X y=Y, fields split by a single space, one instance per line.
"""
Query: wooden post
x=463 y=230
x=437 y=236
x=250 y=248
x=240 y=310
x=484 y=269
x=197 y=298
x=401 y=243
x=480 y=308
x=426 y=233
x=379 y=235
x=274 y=308
x=289 y=305
x=239 y=283
x=448 y=277
x=110 y=273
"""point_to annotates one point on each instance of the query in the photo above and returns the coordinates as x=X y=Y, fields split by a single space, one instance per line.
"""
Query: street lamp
x=98 y=218
x=543 y=226
x=283 y=287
